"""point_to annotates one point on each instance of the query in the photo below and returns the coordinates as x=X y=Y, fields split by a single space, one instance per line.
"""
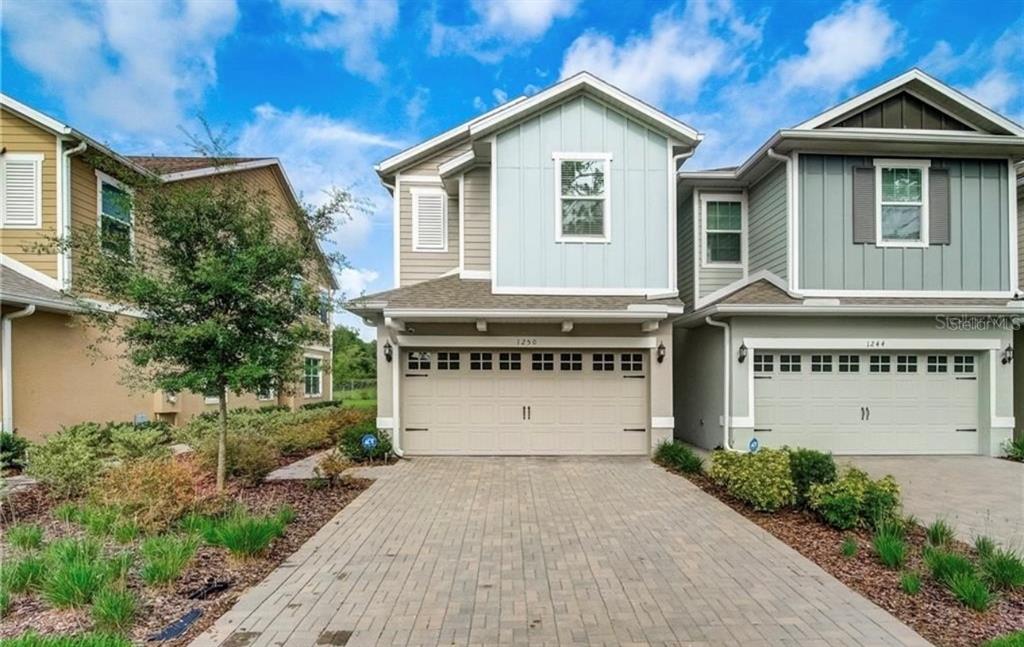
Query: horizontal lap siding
x=20 y=136
x=684 y=236
x=767 y=239
x=977 y=259
x=476 y=217
x=712 y=277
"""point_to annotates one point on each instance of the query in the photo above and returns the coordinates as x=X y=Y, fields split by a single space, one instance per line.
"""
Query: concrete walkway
x=977 y=495
x=602 y=551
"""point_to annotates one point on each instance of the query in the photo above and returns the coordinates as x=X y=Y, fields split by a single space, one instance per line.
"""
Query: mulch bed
x=933 y=612
x=157 y=608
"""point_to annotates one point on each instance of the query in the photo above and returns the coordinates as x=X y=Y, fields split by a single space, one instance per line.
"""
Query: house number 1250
x=526 y=341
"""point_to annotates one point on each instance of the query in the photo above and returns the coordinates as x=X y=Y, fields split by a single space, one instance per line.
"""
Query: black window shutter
x=938 y=206
x=863 y=205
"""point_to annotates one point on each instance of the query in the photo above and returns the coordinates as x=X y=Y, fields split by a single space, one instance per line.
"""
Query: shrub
x=32 y=639
x=113 y=610
x=165 y=557
x=300 y=439
x=331 y=467
x=248 y=458
x=130 y=442
x=1014 y=449
x=351 y=443
x=25 y=574
x=66 y=463
x=944 y=564
x=25 y=536
x=325 y=404
x=910 y=582
x=152 y=493
x=245 y=535
x=890 y=546
x=881 y=501
x=984 y=546
x=970 y=591
x=849 y=546
x=810 y=467
x=939 y=533
x=854 y=499
x=12 y=450
x=1016 y=639
x=678 y=458
x=1004 y=569
x=761 y=479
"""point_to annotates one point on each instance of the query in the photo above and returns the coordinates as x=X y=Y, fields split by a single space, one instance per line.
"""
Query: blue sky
x=333 y=86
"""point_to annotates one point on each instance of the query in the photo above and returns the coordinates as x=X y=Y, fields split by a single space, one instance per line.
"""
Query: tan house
x=53 y=185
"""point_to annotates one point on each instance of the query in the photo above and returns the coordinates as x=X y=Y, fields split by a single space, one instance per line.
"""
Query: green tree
x=214 y=304
x=354 y=359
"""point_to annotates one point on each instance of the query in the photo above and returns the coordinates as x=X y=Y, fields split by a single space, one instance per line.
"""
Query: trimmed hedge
x=762 y=479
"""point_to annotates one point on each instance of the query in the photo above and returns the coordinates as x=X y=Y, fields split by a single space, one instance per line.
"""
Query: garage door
x=493 y=401
x=878 y=403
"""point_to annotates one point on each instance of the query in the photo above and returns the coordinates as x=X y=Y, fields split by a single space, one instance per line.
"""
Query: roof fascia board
x=460 y=163
x=225 y=168
x=33 y=115
x=510 y=313
x=806 y=310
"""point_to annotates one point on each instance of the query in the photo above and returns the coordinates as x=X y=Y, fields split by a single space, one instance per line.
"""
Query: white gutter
x=65 y=169
x=8 y=386
x=799 y=310
x=726 y=366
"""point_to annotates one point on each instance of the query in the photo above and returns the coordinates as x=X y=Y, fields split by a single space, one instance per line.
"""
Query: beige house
x=53 y=185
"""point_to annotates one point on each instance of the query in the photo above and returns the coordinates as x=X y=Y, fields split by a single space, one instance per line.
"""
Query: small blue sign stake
x=753 y=445
x=369 y=442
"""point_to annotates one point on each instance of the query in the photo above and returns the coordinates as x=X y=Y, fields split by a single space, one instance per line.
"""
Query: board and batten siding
x=767 y=214
x=976 y=260
x=20 y=136
x=527 y=255
x=476 y=219
x=684 y=245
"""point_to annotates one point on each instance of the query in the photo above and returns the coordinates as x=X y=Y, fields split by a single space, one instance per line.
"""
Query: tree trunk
x=222 y=439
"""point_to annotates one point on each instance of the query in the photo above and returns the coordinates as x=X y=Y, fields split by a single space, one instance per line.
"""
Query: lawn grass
x=357 y=398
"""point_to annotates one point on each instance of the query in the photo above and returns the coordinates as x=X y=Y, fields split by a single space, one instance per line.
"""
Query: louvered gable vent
x=21 y=187
x=430 y=232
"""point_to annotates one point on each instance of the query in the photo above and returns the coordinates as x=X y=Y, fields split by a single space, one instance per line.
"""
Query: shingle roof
x=452 y=292
x=18 y=288
x=177 y=164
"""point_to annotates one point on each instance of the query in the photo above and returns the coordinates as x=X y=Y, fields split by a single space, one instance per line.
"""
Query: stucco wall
x=698 y=384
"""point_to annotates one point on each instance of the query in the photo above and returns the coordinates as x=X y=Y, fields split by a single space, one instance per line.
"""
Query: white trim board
x=606 y=212
x=906 y=294
x=525 y=343
x=922 y=165
x=869 y=344
x=29 y=272
x=215 y=169
x=661 y=293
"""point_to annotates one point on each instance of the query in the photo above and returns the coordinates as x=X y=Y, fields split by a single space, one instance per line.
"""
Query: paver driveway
x=580 y=551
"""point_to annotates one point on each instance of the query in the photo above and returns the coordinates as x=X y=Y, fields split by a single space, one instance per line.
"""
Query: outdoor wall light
x=661 y=353
x=389 y=351
x=742 y=354
x=1008 y=354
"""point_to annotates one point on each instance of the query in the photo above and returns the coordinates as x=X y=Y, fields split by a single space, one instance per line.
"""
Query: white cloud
x=997 y=89
x=501 y=26
x=479 y=104
x=139 y=67
x=842 y=47
x=500 y=96
x=674 y=60
x=417 y=105
x=320 y=152
x=355 y=27
x=353 y=282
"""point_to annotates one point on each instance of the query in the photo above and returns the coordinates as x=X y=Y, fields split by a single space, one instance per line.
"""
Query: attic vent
x=21 y=190
x=429 y=221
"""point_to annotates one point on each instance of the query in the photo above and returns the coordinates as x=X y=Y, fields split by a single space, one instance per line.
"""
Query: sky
x=333 y=86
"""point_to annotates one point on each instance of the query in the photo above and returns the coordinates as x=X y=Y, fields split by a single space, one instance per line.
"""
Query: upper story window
x=902 y=202
x=115 y=215
x=21 y=190
x=582 y=211
x=429 y=219
x=724 y=216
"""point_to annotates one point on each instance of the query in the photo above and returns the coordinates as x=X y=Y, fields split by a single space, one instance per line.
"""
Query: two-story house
x=562 y=288
x=57 y=181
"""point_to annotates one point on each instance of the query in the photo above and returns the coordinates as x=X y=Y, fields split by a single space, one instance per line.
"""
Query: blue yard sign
x=753 y=445
x=369 y=442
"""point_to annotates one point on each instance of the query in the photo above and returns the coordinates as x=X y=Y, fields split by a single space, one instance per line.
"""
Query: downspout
x=65 y=169
x=727 y=370
x=8 y=378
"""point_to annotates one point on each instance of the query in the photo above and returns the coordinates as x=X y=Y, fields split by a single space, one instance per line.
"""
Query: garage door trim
x=525 y=342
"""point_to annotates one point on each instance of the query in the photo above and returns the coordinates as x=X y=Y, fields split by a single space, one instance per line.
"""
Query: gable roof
x=518 y=108
x=169 y=165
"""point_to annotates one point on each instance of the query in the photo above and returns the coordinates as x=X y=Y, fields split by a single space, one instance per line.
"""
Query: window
x=312 y=376
x=632 y=362
x=481 y=361
x=902 y=194
x=115 y=216
x=211 y=397
x=963 y=364
x=510 y=361
x=447 y=361
x=571 y=362
x=21 y=190
x=419 y=361
x=764 y=363
x=543 y=361
x=789 y=363
x=879 y=363
x=849 y=363
x=582 y=201
x=723 y=229
x=906 y=363
x=429 y=219
x=265 y=394
x=938 y=364
x=821 y=363
x=604 y=362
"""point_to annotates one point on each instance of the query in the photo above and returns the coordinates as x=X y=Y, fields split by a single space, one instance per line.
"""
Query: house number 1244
x=876 y=343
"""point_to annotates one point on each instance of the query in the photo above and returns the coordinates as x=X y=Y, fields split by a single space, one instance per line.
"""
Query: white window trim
x=923 y=166
x=606 y=235
x=705 y=198
x=37 y=158
x=101 y=179
x=271 y=395
x=320 y=378
x=416 y=192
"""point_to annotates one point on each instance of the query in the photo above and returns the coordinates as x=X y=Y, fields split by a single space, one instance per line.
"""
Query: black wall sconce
x=742 y=355
x=1008 y=354
x=389 y=351
x=661 y=353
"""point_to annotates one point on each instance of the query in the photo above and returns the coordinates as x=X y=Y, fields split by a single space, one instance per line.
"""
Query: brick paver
x=581 y=551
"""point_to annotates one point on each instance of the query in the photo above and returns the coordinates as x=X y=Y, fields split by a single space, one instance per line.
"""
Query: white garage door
x=457 y=401
x=877 y=403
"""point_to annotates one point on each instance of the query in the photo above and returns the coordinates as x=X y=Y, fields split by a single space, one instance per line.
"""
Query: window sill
x=918 y=244
x=722 y=266
x=583 y=239
x=38 y=225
